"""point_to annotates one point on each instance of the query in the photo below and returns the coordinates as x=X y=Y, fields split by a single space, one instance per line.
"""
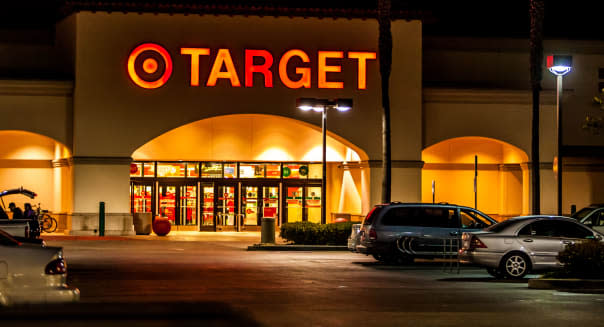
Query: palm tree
x=385 y=53
x=536 y=63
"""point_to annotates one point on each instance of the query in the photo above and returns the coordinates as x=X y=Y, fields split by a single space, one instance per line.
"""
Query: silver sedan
x=521 y=245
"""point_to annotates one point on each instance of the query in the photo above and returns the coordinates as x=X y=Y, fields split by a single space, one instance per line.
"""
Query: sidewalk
x=182 y=236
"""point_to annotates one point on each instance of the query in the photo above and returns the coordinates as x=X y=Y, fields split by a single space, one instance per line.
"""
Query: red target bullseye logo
x=149 y=65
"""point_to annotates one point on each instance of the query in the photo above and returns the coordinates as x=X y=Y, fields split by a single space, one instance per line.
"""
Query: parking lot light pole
x=559 y=66
x=323 y=105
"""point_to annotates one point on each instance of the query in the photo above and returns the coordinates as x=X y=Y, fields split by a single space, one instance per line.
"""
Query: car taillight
x=56 y=267
x=372 y=234
x=476 y=243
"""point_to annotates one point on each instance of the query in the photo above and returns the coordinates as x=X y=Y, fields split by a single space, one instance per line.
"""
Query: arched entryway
x=223 y=171
x=502 y=181
x=38 y=163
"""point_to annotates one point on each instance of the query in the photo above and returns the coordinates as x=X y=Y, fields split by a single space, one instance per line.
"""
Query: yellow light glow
x=275 y=154
x=316 y=154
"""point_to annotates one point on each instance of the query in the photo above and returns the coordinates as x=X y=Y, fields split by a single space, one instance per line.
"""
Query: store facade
x=193 y=117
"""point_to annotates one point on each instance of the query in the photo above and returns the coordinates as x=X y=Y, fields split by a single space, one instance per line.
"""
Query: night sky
x=577 y=19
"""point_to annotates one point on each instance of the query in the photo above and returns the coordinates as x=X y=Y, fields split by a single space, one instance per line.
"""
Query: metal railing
x=429 y=246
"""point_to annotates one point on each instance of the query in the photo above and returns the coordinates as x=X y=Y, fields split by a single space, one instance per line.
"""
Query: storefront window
x=148 y=169
x=192 y=169
x=170 y=169
x=230 y=170
x=315 y=171
x=251 y=170
x=273 y=171
x=211 y=170
x=292 y=171
x=136 y=169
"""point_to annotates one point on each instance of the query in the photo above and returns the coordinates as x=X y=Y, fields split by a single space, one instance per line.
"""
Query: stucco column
x=406 y=180
x=95 y=180
x=548 y=187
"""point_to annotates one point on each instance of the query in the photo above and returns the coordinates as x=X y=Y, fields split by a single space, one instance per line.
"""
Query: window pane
x=471 y=220
x=136 y=169
x=570 y=230
x=192 y=169
x=273 y=171
x=251 y=170
x=149 y=169
x=315 y=171
x=292 y=171
x=402 y=216
x=170 y=169
x=230 y=170
x=313 y=204
x=211 y=170
x=439 y=217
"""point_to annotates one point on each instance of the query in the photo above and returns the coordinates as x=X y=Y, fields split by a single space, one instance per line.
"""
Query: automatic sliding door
x=250 y=202
x=207 y=212
x=293 y=203
x=226 y=205
x=188 y=205
x=270 y=201
x=312 y=204
x=167 y=202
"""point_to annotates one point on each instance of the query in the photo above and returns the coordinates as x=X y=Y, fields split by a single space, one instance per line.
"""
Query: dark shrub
x=583 y=260
x=316 y=234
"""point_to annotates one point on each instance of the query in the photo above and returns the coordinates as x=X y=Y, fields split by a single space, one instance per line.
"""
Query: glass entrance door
x=167 y=202
x=226 y=205
x=250 y=204
x=141 y=197
x=270 y=201
x=207 y=209
x=293 y=203
x=188 y=205
x=312 y=204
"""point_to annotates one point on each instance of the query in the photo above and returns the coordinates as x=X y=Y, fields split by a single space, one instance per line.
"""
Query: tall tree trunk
x=536 y=62
x=385 y=53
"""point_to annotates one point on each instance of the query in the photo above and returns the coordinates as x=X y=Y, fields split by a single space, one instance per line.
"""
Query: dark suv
x=399 y=232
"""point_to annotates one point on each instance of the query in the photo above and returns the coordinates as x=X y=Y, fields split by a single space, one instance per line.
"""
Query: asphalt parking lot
x=305 y=288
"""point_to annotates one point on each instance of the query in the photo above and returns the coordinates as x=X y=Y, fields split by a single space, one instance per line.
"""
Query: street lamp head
x=305 y=104
x=343 y=104
x=559 y=65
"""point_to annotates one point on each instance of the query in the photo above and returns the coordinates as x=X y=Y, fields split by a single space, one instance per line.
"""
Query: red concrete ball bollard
x=161 y=226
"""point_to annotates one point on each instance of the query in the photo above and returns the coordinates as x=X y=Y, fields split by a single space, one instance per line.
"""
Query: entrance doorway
x=302 y=202
x=178 y=203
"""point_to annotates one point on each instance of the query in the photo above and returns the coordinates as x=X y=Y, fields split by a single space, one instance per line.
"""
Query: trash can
x=142 y=223
x=267 y=233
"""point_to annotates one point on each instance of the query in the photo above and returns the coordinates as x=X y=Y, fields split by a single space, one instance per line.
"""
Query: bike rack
x=405 y=244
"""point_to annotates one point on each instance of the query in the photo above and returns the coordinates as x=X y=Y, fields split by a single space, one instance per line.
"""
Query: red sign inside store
x=150 y=66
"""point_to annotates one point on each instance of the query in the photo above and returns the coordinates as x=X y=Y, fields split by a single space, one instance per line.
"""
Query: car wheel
x=515 y=265
x=495 y=272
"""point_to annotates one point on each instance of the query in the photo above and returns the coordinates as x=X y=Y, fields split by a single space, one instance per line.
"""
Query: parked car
x=25 y=227
x=31 y=272
x=355 y=237
x=399 y=232
x=592 y=216
x=518 y=246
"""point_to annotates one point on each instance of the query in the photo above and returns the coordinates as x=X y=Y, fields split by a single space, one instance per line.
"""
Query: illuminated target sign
x=149 y=65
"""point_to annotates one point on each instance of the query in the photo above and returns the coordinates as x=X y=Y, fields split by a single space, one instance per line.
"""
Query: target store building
x=189 y=112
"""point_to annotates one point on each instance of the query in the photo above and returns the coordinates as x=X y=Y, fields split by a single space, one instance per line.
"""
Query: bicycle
x=47 y=223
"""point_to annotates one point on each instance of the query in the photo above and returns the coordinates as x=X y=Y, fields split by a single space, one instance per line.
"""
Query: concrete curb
x=583 y=285
x=296 y=247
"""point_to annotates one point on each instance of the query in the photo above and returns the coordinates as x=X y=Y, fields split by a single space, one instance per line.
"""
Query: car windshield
x=579 y=215
x=371 y=215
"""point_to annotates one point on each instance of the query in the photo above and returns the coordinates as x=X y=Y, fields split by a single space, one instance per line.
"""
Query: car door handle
x=454 y=233
x=528 y=240
x=568 y=242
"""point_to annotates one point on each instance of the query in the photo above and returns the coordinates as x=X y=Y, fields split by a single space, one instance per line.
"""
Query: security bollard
x=101 y=218
x=267 y=232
